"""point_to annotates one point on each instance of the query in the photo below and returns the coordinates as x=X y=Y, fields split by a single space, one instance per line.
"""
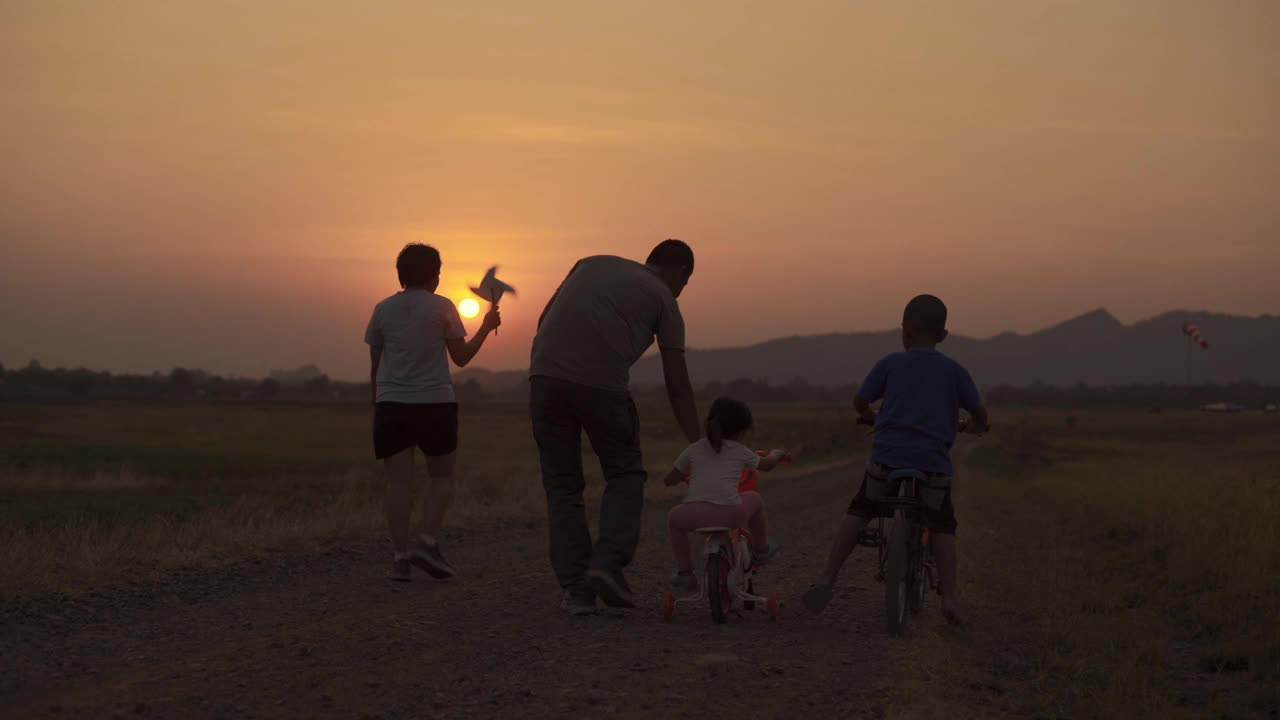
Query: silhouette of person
x=603 y=317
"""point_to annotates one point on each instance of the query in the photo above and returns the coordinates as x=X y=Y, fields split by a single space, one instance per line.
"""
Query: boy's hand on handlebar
x=971 y=427
x=867 y=421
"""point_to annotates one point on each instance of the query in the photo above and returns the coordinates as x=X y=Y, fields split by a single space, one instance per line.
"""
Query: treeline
x=1246 y=394
x=35 y=383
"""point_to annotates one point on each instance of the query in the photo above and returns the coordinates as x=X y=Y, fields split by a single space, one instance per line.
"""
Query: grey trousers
x=561 y=411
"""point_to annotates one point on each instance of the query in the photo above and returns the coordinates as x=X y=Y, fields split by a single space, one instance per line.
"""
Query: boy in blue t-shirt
x=923 y=392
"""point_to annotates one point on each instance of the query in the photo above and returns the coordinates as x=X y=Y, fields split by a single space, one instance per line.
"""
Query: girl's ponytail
x=715 y=434
x=727 y=418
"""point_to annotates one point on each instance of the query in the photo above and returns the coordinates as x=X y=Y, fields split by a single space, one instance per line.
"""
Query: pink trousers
x=687 y=517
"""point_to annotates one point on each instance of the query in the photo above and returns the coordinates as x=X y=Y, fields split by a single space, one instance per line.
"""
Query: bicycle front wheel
x=895 y=575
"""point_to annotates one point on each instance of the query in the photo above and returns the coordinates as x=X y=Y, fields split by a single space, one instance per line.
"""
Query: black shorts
x=941 y=519
x=430 y=426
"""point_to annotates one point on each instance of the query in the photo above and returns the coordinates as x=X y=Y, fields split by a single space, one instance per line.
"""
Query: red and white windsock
x=1192 y=331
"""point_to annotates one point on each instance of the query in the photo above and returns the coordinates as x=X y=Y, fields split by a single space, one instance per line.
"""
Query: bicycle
x=728 y=579
x=904 y=559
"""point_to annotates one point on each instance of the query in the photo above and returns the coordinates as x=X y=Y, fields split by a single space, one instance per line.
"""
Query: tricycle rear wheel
x=718 y=587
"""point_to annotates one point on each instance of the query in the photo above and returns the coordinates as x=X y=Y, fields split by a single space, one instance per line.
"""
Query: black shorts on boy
x=940 y=519
x=432 y=427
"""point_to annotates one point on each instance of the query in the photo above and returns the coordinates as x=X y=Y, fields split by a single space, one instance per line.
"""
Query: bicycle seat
x=908 y=473
x=712 y=530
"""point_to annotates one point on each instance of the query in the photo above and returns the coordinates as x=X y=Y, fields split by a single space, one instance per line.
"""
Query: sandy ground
x=326 y=635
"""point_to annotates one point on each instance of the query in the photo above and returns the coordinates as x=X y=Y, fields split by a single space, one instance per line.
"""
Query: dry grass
x=92 y=494
x=1124 y=566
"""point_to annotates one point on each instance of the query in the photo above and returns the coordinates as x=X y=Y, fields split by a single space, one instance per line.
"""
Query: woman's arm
x=462 y=351
x=673 y=478
x=375 y=358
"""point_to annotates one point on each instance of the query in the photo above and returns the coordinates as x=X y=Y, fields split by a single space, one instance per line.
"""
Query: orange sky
x=224 y=185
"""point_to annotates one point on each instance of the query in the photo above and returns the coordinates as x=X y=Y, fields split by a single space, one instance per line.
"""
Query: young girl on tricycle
x=721 y=501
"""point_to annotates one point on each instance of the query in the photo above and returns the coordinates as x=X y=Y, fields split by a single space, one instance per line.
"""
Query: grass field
x=1117 y=564
x=1120 y=565
x=92 y=493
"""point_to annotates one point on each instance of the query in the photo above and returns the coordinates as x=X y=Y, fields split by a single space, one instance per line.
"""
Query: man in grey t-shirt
x=599 y=322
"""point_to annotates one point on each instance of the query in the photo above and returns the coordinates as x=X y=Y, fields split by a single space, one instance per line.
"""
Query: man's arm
x=675 y=372
x=375 y=357
x=863 y=408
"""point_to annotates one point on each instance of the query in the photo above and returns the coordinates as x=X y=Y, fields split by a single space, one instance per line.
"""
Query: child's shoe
x=425 y=554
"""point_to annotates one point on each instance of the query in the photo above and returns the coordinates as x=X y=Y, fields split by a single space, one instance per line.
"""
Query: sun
x=469 y=308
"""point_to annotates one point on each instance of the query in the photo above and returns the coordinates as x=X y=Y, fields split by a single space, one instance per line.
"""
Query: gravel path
x=325 y=635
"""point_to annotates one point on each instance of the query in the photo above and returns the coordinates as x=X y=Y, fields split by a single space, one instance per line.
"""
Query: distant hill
x=1093 y=349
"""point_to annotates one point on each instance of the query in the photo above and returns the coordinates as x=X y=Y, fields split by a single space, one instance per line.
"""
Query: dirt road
x=325 y=635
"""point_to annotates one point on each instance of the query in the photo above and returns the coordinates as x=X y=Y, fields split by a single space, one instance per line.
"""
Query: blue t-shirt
x=923 y=392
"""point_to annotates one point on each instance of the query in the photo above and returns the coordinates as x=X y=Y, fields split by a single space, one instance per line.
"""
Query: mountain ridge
x=1094 y=348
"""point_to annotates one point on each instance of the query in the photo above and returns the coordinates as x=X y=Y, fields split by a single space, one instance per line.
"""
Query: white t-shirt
x=713 y=477
x=412 y=327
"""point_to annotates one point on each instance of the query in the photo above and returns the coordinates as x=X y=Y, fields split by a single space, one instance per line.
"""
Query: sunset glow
x=469 y=308
x=255 y=176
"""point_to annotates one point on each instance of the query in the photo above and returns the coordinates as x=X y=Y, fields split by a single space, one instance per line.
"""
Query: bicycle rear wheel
x=718 y=587
x=918 y=588
x=895 y=575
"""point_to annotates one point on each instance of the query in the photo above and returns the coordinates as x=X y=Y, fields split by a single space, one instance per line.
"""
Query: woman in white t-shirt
x=714 y=466
x=412 y=336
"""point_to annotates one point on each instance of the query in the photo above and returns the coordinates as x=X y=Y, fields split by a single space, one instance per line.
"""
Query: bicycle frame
x=727 y=552
x=920 y=573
